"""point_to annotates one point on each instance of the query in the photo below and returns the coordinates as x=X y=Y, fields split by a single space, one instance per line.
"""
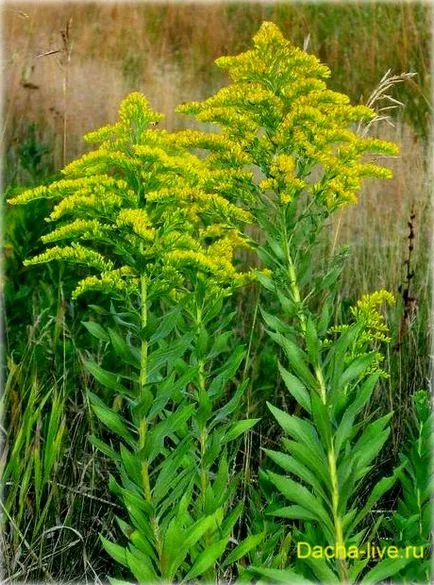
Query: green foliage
x=411 y=524
x=153 y=220
x=301 y=138
x=33 y=445
x=161 y=240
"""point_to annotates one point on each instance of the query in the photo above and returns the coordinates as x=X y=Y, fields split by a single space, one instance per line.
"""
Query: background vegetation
x=68 y=67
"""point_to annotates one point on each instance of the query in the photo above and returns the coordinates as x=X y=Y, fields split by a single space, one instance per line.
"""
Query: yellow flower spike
x=279 y=103
x=122 y=281
x=86 y=201
x=366 y=310
x=76 y=254
x=86 y=229
x=60 y=189
x=139 y=221
x=101 y=161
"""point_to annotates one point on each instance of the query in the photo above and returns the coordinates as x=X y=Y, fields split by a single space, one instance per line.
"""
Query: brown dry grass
x=167 y=51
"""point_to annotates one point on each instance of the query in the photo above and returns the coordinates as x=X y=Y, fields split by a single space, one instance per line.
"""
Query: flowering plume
x=279 y=114
x=141 y=203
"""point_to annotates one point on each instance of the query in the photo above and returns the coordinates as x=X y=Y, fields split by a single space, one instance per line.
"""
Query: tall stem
x=210 y=574
x=143 y=427
x=144 y=343
x=331 y=455
x=295 y=291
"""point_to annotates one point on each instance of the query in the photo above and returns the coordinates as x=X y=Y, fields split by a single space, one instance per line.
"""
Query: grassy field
x=67 y=69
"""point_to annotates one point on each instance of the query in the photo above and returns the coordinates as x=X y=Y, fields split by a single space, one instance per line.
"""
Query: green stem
x=143 y=428
x=296 y=295
x=331 y=456
x=144 y=343
x=337 y=520
x=203 y=438
x=210 y=574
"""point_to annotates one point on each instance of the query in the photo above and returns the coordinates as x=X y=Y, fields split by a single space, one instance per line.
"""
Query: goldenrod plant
x=145 y=216
x=310 y=161
x=153 y=220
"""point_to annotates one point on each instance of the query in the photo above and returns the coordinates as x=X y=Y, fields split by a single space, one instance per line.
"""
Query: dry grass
x=377 y=226
x=167 y=52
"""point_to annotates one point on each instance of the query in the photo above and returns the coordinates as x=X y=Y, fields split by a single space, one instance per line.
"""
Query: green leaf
x=206 y=559
x=168 y=426
x=118 y=553
x=322 y=570
x=96 y=330
x=383 y=486
x=294 y=466
x=114 y=581
x=266 y=281
x=162 y=356
x=230 y=406
x=195 y=533
x=316 y=462
x=296 y=388
x=132 y=465
x=141 y=567
x=363 y=394
x=357 y=367
x=296 y=358
x=226 y=372
x=298 y=494
x=239 y=428
x=231 y=519
x=301 y=429
x=371 y=441
x=243 y=548
x=279 y=575
x=200 y=527
x=294 y=513
x=274 y=323
x=129 y=355
x=220 y=345
x=338 y=353
x=321 y=417
x=166 y=325
x=107 y=379
x=112 y=420
x=104 y=448
x=312 y=342
x=384 y=569
x=169 y=469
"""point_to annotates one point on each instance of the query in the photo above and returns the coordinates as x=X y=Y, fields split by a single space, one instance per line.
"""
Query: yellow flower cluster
x=374 y=328
x=86 y=229
x=366 y=311
x=123 y=281
x=229 y=151
x=150 y=202
x=139 y=220
x=212 y=203
x=279 y=105
x=284 y=179
x=135 y=117
x=61 y=188
x=216 y=260
x=270 y=57
x=100 y=161
x=98 y=202
x=76 y=254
